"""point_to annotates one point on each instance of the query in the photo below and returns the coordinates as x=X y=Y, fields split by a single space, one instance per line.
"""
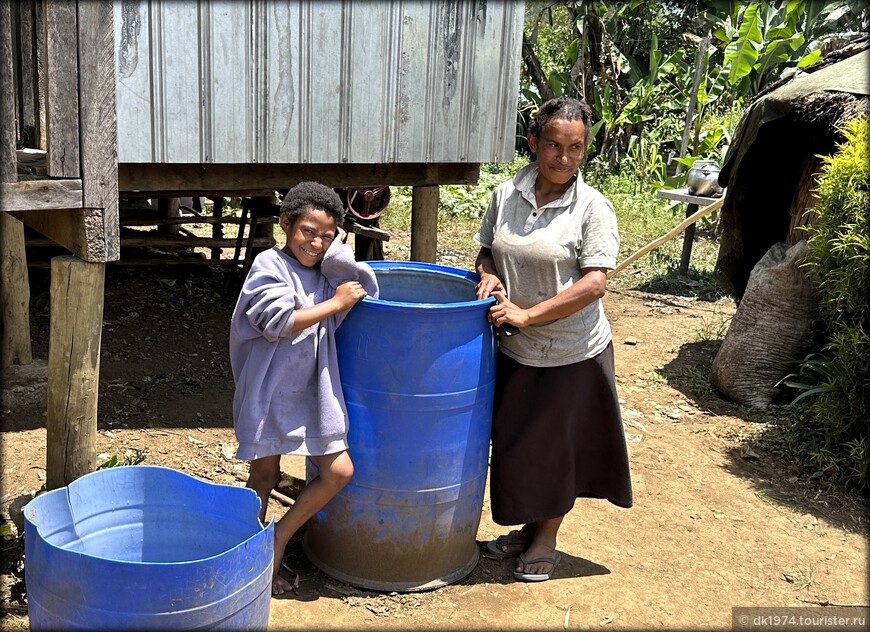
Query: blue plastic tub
x=418 y=373
x=147 y=547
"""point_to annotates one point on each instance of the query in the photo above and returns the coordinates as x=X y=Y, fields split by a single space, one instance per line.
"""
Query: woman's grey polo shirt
x=539 y=252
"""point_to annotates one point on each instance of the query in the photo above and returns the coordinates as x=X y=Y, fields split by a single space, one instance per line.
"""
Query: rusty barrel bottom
x=405 y=542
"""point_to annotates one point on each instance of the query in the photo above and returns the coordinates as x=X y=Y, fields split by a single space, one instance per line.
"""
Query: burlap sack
x=770 y=329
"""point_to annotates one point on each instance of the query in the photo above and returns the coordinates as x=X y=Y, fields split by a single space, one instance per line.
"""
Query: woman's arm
x=489 y=280
x=590 y=287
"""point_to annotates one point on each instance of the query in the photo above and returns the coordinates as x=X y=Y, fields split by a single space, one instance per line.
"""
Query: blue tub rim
x=418 y=266
x=268 y=527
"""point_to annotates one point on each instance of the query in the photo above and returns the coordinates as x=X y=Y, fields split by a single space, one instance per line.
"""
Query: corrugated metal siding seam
x=508 y=77
x=432 y=49
x=257 y=93
x=345 y=102
x=390 y=82
x=206 y=73
x=305 y=32
x=468 y=95
x=158 y=102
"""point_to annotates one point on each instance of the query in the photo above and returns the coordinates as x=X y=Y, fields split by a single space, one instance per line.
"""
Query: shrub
x=838 y=411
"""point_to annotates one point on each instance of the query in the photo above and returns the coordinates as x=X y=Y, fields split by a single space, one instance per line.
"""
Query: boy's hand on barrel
x=349 y=294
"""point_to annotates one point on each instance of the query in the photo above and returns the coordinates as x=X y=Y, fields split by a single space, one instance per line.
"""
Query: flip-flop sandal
x=537 y=577
x=495 y=550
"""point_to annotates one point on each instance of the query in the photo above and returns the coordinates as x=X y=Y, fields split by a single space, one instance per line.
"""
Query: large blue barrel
x=147 y=547
x=418 y=373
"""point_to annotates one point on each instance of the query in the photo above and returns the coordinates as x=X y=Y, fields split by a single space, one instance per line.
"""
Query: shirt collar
x=525 y=184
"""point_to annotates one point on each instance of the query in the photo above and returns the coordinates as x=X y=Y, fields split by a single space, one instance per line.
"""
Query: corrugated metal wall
x=329 y=81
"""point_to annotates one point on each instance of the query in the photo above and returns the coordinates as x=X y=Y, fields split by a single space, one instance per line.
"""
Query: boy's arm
x=346 y=296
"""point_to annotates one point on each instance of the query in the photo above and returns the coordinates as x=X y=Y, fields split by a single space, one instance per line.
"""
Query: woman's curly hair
x=307 y=196
x=564 y=109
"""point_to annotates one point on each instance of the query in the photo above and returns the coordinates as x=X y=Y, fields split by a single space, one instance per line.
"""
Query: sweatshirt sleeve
x=269 y=304
x=338 y=266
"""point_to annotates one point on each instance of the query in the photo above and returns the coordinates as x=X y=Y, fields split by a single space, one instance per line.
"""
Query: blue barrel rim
x=267 y=528
x=419 y=266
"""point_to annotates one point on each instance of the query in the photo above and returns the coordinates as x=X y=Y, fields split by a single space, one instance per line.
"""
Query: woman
x=547 y=240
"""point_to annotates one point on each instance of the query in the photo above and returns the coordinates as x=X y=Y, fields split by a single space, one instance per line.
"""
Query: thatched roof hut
x=771 y=165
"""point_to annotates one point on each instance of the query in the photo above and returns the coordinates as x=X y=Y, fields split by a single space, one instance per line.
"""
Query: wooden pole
x=14 y=285
x=14 y=295
x=73 y=368
x=689 y=221
x=424 y=224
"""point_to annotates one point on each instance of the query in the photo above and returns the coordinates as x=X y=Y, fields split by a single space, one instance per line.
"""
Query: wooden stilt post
x=73 y=368
x=14 y=295
x=424 y=224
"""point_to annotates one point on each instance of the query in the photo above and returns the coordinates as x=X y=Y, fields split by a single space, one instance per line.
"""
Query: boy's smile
x=309 y=236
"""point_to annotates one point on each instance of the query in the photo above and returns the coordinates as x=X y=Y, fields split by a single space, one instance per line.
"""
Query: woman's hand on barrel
x=349 y=294
x=489 y=284
x=505 y=312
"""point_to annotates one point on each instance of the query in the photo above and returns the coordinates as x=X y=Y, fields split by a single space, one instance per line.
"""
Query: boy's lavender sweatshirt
x=288 y=397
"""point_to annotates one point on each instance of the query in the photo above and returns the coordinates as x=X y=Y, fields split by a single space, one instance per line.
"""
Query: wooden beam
x=8 y=159
x=73 y=369
x=97 y=117
x=62 y=89
x=228 y=180
x=424 y=224
x=40 y=195
x=81 y=231
x=14 y=295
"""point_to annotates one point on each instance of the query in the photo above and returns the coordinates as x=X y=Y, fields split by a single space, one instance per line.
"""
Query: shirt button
x=534 y=214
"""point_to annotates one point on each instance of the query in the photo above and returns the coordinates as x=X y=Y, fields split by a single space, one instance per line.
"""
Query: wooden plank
x=424 y=224
x=366 y=231
x=14 y=295
x=183 y=180
x=191 y=219
x=40 y=195
x=76 y=325
x=683 y=195
x=153 y=240
x=62 y=89
x=8 y=159
x=78 y=230
x=97 y=119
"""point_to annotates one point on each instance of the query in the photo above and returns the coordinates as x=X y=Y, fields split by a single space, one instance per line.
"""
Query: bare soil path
x=717 y=522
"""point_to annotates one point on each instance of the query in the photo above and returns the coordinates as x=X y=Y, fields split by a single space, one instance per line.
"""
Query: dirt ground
x=717 y=522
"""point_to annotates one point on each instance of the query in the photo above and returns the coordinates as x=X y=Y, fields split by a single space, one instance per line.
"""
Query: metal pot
x=703 y=178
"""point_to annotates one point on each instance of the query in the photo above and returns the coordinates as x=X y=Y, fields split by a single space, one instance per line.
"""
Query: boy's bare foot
x=280 y=585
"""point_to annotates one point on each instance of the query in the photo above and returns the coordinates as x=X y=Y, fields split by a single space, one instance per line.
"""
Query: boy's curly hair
x=306 y=196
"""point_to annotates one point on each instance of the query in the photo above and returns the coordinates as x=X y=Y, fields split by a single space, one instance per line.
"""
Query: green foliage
x=134 y=456
x=456 y=201
x=634 y=63
x=835 y=384
x=764 y=41
x=471 y=200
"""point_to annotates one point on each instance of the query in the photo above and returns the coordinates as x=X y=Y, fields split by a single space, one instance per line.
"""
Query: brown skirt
x=556 y=436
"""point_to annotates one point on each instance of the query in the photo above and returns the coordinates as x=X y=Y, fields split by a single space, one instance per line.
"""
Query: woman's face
x=559 y=149
x=308 y=236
